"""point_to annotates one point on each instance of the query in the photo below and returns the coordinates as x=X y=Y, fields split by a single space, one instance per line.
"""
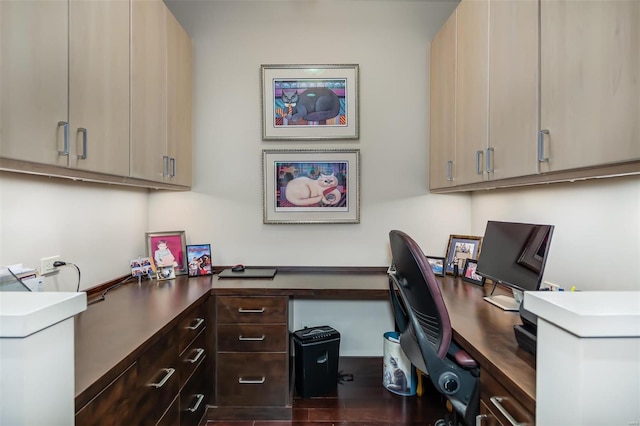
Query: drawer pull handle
x=251 y=339
x=497 y=401
x=198 y=323
x=250 y=311
x=480 y=418
x=195 y=359
x=244 y=381
x=168 y=373
x=199 y=399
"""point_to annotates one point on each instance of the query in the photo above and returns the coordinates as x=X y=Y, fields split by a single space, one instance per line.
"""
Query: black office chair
x=425 y=329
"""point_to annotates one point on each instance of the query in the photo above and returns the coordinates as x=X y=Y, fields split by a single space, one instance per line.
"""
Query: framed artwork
x=470 y=274
x=461 y=247
x=309 y=102
x=437 y=265
x=167 y=249
x=311 y=186
x=199 y=258
x=166 y=273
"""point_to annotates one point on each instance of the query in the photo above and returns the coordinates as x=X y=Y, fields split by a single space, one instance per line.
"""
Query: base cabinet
x=498 y=406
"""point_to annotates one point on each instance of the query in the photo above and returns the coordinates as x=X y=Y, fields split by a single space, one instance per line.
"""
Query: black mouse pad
x=249 y=273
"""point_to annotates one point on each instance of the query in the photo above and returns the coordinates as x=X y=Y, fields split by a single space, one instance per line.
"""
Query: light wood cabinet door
x=178 y=103
x=472 y=90
x=442 y=109
x=513 y=88
x=33 y=80
x=149 y=159
x=99 y=85
x=590 y=82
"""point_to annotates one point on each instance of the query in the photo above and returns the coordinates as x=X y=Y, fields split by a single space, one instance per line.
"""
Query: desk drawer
x=193 y=323
x=498 y=402
x=252 y=310
x=253 y=379
x=252 y=338
x=193 y=356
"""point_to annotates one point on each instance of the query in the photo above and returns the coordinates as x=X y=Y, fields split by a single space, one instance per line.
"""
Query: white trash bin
x=398 y=375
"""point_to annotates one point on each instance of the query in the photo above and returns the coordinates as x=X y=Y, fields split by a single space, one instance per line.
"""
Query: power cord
x=103 y=296
x=59 y=263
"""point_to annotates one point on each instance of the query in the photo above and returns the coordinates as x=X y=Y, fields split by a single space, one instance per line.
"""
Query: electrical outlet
x=46 y=264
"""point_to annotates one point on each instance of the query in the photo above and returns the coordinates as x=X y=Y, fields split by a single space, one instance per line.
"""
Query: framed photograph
x=437 y=265
x=167 y=249
x=166 y=273
x=199 y=258
x=142 y=266
x=311 y=186
x=470 y=274
x=309 y=102
x=460 y=248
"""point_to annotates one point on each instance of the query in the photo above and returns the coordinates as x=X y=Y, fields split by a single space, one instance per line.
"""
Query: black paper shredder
x=317 y=350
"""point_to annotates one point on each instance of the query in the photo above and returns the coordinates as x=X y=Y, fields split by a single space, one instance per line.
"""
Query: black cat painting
x=313 y=104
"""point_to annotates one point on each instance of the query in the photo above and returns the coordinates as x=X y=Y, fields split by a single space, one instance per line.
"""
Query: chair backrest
x=421 y=291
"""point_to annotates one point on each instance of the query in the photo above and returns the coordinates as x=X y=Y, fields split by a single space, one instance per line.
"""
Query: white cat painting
x=303 y=191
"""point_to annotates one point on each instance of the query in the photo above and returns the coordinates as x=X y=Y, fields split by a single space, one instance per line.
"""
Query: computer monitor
x=514 y=255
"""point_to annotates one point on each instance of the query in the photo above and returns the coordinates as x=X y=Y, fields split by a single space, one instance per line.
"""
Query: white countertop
x=588 y=313
x=25 y=313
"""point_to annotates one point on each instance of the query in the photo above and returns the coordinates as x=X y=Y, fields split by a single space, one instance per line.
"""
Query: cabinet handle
x=199 y=399
x=64 y=124
x=198 y=323
x=250 y=311
x=479 y=153
x=489 y=160
x=244 y=381
x=168 y=373
x=541 y=157
x=497 y=401
x=172 y=161
x=165 y=159
x=195 y=359
x=449 y=167
x=251 y=339
x=480 y=418
x=84 y=143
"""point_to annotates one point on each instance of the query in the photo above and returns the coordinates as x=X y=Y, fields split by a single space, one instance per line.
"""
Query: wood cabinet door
x=513 y=88
x=590 y=82
x=442 y=109
x=472 y=102
x=33 y=80
x=99 y=86
x=149 y=158
x=178 y=102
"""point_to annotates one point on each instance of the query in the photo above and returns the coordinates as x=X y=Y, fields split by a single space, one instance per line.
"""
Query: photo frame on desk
x=470 y=275
x=167 y=249
x=199 y=260
x=437 y=265
x=460 y=248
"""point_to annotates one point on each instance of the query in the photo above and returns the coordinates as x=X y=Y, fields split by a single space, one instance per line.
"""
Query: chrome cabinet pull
x=497 y=401
x=199 y=399
x=64 y=124
x=244 y=381
x=541 y=157
x=251 y=339
x=489 y=160
x=165 y=159
x=168 y=373
x=250 y=311
x=84 y=143
x=449 y=167
x=479 y=153
x=199 y=353
x=172 y=162
x=198 y=323
x=480 y=418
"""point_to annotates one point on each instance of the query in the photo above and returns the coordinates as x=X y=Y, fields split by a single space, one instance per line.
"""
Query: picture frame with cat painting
x=310 y=102
x=311 y=186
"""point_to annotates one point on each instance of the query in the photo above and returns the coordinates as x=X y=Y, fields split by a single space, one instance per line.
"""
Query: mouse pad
x=249 y=273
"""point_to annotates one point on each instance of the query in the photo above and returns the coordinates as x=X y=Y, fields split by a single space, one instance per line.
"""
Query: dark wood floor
x=362 y=402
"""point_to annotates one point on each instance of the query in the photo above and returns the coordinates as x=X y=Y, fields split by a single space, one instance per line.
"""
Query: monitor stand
x=504 y=302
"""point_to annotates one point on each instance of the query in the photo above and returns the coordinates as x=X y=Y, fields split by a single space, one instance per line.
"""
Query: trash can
x=317 y=350
x=398 y=375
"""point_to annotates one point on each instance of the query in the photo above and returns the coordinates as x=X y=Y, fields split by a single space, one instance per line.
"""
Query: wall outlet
x=548 y=286
x=46 y=264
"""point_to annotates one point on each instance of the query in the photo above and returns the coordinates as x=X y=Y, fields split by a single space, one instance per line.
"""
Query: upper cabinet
x=555 y=82
x=75 y=105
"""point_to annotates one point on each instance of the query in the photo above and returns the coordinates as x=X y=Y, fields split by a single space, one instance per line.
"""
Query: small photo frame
x=309 y=102
x=470 y=275
x=460 y=248
x=167 y=249
x=437 y=265
x=199 y=260
x=311 y=186
x=166 y=273
x=142 y=266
